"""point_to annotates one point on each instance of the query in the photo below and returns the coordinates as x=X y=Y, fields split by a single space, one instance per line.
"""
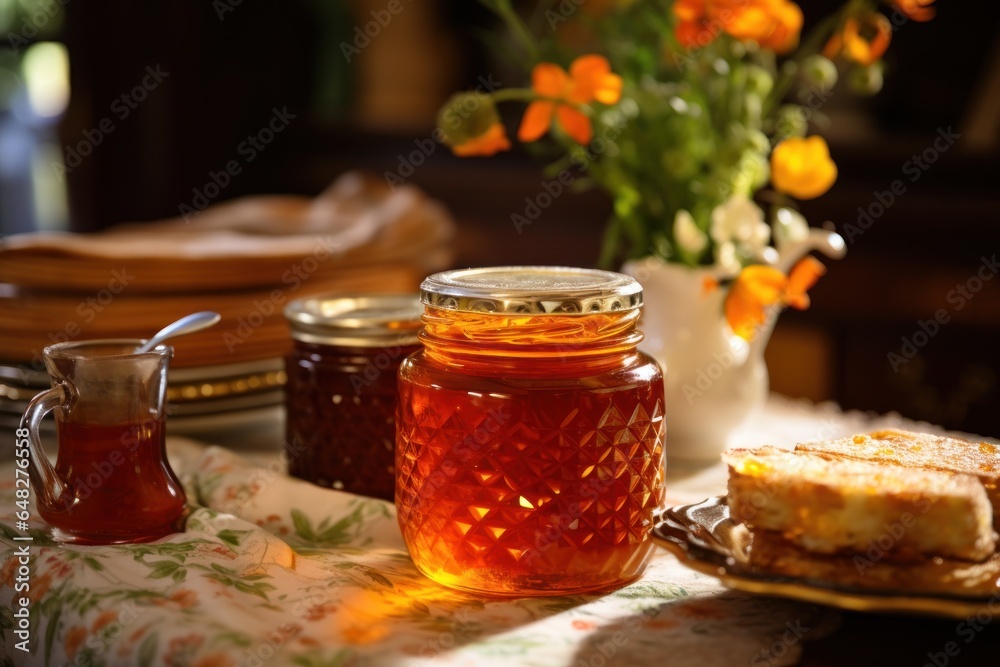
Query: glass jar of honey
x=529 y=446
x=340 y=396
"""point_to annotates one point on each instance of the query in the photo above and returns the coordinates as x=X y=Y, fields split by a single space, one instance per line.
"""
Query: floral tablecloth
x=275 y=571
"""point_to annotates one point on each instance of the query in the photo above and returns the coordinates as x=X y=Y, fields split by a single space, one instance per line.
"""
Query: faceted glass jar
x=340 y=396
x=529 y=449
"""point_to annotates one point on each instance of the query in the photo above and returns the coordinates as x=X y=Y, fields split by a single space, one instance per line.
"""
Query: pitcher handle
x=44 y=479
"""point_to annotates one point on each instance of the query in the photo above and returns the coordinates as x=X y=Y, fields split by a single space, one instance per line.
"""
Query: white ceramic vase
x=714 y=380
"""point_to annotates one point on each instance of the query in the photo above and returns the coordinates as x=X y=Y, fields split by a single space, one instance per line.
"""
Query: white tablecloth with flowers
x=274 y=571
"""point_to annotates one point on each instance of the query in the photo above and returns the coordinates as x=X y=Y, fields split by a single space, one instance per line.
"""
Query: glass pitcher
x=111 y=482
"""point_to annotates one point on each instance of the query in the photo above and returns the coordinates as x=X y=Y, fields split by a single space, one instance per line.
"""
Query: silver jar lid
x=356 y=320
x=532 y=289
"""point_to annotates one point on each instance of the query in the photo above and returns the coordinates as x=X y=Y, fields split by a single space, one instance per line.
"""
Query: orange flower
x=74 y=640
x=489 y=143
x=917 y=10
x=695 y=28
x=862 y=41
x=756 y=289
x=759 y=288
x=589 y=79
x=774 y=24
x=470 y=124
x=217 y=659
x=8 y=571
x=801 y=279
x=106 y=618
x=802 y=167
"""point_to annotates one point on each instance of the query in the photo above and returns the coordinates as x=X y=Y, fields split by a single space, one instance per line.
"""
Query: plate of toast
x=890 y=521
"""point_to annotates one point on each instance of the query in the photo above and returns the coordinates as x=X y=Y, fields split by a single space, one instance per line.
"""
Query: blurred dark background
x=199 y=78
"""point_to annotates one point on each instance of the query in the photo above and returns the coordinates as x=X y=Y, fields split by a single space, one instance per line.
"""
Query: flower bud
x=759 y=80
x=467 y=116
x=820 y=72
x=791 y=122
x=867 y=80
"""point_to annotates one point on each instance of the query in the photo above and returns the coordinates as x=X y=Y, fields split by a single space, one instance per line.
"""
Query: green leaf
x=376 y=576
x=232 y=537
x=50 y=634
x=180 y=575
x=302 y=526
x=222 y=569
x=251 y=590
x=93 y=563
x=163 y=568
x=236 y=638
x=147 y=651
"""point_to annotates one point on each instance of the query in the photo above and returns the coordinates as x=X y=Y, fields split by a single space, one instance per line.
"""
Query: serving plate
x=705 y=538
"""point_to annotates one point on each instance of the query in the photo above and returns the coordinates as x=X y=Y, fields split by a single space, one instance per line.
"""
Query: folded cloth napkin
x=276 y=571
x=358 y=220
x=245 y=259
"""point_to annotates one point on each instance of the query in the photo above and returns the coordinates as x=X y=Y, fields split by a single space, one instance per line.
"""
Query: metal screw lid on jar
x=358 y=320
x=532 y=289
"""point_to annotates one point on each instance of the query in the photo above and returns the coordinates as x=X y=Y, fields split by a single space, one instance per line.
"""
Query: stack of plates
x=245 y=259
x=199 y=400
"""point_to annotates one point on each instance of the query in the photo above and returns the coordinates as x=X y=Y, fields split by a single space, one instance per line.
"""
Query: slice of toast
x=847 y=506
x=921 y=450
x=771 y=554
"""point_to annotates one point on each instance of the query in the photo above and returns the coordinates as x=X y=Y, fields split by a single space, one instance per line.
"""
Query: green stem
x=505 y=11
x=529 y=95
x=514 y=95
x=609 y=243
x=813 y=44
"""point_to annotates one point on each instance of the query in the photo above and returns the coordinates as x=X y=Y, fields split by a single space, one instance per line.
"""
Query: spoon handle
x=185 y=325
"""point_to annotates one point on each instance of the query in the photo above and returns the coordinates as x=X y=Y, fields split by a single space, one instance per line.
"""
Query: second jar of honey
x=529 y=448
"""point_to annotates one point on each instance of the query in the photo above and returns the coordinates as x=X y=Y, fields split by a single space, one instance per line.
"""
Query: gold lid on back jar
x=357 y=320
x=539 y=290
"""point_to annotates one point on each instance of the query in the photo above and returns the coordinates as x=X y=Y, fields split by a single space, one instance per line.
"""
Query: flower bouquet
x=694 y=116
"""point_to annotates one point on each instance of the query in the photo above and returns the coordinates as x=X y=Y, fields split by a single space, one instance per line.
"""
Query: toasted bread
x=770 y=553
x=921 y=450
x=846 y=506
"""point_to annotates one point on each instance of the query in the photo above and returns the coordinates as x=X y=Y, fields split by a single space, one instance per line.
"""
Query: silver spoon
x=185 y=325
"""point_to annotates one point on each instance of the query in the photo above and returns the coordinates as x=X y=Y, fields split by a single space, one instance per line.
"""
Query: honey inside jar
x=530 y=444
x=340 y=397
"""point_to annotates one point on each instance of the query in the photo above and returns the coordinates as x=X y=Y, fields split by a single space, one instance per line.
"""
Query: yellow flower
x=802 y=167
x=863 y=40
x=759 y=288
x=589 y=79
x=471 y=125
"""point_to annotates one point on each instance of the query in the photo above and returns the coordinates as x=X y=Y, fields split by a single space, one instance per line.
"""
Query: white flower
x=727 y=264
x=740 y=221
x=789 y=227
x=687 y=234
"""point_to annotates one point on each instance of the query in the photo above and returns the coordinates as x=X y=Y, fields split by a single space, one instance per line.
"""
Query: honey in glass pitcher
x=530 y=432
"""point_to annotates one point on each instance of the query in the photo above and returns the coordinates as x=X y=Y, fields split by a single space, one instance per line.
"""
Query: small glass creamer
x=530 y=432
x=340 y=396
